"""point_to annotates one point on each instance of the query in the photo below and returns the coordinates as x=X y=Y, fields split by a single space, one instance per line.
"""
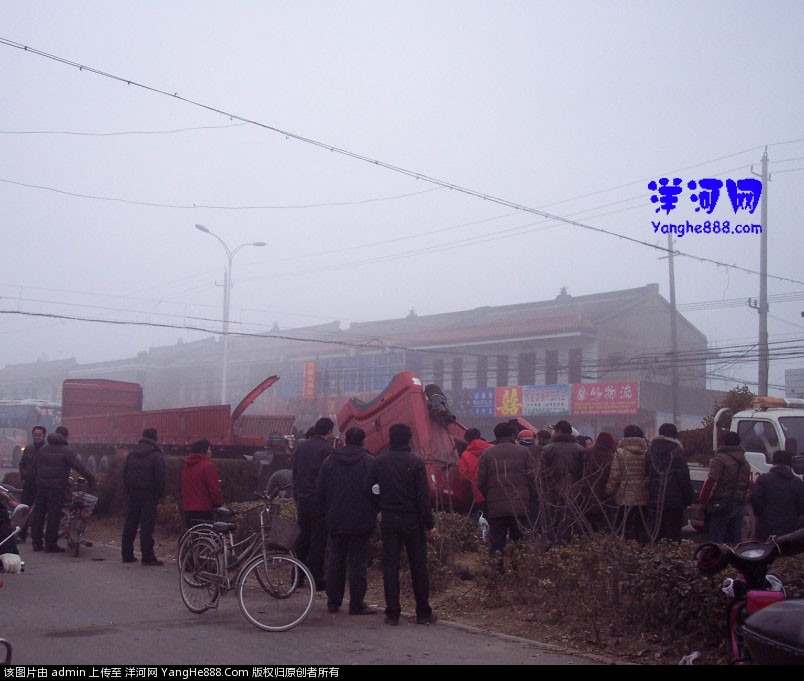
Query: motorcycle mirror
x=20 y=514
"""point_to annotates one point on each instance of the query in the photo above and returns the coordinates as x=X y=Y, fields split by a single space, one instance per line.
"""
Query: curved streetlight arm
x=229 y=253
x=227 y=285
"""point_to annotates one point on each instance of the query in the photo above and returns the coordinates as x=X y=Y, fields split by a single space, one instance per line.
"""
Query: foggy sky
x=570 y=110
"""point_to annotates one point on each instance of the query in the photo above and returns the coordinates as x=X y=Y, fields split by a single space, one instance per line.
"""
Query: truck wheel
x=103 y=465
x=92 y=464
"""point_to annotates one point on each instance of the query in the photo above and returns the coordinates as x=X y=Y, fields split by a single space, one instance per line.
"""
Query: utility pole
x=762 y=304
x=227 y=297
x=673 y=331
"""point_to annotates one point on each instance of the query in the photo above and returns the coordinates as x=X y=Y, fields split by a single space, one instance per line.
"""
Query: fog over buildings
x=426 y=157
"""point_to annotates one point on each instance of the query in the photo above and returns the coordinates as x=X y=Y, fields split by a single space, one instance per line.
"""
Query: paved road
x=96 y=610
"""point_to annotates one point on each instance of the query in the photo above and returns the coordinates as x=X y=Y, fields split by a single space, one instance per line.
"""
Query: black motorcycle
x=763 y=627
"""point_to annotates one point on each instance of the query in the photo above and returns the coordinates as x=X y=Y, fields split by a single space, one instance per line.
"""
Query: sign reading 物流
x=605 y=398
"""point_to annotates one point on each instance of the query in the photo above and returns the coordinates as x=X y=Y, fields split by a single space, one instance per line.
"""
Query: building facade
x=560 y=358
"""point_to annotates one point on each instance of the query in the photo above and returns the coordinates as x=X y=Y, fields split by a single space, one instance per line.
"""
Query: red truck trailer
x=424 y=409
x=105 y=419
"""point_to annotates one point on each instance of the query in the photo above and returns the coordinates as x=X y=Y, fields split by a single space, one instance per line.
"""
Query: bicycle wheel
x=283 y=588
x=196 y=531
x=200 y=575
x=271 y=594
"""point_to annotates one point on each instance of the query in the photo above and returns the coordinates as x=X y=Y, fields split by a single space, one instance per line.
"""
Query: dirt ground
x=457 y=602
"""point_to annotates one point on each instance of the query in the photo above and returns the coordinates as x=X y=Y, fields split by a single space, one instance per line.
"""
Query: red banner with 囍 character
x=308 y=383
x=508 y=401
x=605 y=398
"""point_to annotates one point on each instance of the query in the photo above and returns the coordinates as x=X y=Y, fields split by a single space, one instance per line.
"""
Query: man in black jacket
x=311 y=544
x=53 y=464
x=777 y=498
x=669 y=486
x=28 y=472
x=506 y=477
x=351 y=519
x=144 y=482
x=399 y=479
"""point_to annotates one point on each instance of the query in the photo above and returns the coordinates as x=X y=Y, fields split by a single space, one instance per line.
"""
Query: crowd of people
x=554 y=482
x=558 y=484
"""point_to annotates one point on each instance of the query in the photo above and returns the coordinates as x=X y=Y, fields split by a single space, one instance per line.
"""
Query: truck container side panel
x=208 y=422
x=259 y=427
x=84 y=397
x=167 y=423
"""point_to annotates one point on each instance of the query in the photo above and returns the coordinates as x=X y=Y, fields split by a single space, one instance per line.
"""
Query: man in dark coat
x=777 y=498
x=669 y=486
x=728 y=481
x=562 y=467
x=351 y=518
x=28 y=472
x=144 y=483
x=399 y=479
x=311 y=545
x=53 y=464
x=505 y=476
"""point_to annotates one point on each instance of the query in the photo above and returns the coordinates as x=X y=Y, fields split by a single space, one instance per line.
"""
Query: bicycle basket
x=283 y=533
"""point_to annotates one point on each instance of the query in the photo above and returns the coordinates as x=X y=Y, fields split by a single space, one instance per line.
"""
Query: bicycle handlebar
x=266 y=496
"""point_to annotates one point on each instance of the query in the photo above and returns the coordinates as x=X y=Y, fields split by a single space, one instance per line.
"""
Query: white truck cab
x=770 y=425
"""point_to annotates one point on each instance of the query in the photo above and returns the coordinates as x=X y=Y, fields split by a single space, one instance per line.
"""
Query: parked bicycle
x=284 y=532
x=79 y=504
x=275 y=591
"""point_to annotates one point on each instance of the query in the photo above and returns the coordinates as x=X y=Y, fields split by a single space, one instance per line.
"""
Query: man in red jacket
x=200 y=485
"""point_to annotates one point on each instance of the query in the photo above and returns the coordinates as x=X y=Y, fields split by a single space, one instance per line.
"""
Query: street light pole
x=227 y=286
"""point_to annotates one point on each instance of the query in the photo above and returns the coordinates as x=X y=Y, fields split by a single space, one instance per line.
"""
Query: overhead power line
x=379 y=163
x=201 y=205
x=652 y=362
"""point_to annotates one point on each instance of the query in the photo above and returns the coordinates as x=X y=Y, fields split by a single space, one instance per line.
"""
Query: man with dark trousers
x=53 y=464
x=399 y=479
x=28 y=472
x=144 y=483
x=506 y=477
x=311 y=544
x=351 y=520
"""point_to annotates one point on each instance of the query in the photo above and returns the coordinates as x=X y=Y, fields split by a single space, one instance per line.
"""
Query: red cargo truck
x=105 y=418
x=434 y=426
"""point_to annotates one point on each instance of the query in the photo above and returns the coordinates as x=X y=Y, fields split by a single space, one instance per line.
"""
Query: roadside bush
x=598 y=589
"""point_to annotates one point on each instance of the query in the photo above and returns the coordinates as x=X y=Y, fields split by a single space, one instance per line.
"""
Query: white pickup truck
x=772 y=423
